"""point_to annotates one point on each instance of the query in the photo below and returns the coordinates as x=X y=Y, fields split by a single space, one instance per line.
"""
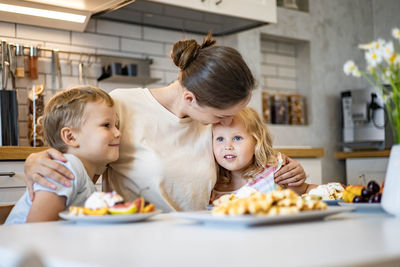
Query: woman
x=166 y=144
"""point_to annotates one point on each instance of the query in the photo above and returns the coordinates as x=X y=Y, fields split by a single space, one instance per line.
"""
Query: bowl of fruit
x=363 y=197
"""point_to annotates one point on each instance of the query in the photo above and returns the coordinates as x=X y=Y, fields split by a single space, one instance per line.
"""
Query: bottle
x=280 y=114
x=20 y=61
x=296 y=109
x=266 y=106
x=33 y=62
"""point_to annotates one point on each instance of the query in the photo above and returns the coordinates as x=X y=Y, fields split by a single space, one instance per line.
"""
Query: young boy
x=82 y=123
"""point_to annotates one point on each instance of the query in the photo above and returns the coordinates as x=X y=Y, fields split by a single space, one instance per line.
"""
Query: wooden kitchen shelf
x=363 y=154
x=302 y=152
x=22 y=152
x=18 y=152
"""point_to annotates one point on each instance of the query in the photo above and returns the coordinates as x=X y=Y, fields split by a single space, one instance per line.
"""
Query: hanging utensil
x=33 y=62
x=80 y=73
x=12 y=66
x=58 y=69
x=4 y=65
x=19 y=61
x=53 y=71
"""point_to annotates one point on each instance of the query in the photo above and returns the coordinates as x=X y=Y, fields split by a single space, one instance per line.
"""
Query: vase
x=391 y=191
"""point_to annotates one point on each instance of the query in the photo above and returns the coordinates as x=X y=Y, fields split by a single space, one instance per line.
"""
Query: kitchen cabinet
x=310 y=159
x=369 y=164
x=260 y=10
x=12 y=187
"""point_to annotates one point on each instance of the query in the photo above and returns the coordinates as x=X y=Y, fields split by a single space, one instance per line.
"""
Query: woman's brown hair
x=217 y=75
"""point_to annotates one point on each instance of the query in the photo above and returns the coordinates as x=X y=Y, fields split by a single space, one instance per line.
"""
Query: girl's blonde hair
x=66 y=109
x=264 y=154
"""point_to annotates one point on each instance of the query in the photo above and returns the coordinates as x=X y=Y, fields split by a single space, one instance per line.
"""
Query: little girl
x=247 y=162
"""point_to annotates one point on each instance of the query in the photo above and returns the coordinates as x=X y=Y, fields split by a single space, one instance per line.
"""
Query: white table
x=353 y=239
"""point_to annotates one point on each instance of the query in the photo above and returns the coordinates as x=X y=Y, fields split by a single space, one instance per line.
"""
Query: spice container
x=20 y=61
x=266 y=107
x=280 y=114
x=296 y=109
x=33 y=62
x=35 y=116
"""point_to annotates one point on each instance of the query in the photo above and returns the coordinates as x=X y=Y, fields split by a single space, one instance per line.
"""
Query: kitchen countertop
x=21 y=153
x=347 y=239
x=363 y=154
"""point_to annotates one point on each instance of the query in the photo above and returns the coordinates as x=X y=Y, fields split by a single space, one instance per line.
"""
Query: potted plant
x=383 y=73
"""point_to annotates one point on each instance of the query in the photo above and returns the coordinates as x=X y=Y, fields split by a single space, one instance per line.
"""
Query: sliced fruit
x=97 y=212
x=123 y=208
x=149 y=208
x=382 y=185
x=355 y=189
x=352 y=191
x=139 y=202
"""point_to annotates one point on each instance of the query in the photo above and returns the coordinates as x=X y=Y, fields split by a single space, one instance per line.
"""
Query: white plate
x=362 y=206
x=248 y=220
x=108 y=218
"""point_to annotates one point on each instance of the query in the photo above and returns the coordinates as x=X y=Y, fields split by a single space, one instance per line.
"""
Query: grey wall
x=385 y=16
x=333 y=29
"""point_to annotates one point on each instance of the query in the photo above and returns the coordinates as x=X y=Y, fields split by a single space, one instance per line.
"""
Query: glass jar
x=280 y=113
x=296 y=109
x=266 y=107
x=35 y=116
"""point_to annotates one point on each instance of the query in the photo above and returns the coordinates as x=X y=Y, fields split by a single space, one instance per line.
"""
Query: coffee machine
x=364 y=122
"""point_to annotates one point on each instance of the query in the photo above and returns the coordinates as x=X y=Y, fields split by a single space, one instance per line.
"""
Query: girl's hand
x=291 y=173
x=42 y=164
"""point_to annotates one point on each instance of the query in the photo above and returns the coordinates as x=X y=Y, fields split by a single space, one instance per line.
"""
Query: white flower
x=350 y=68
x=356 y=72
x=386 y=76
x=373 y=57
x=388 y=52
x=378 y=45
x=396 y=33
x=396 y=60
x=367 y=46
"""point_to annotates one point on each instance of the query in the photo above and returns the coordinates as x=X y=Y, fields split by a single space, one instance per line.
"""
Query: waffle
x=279 y=202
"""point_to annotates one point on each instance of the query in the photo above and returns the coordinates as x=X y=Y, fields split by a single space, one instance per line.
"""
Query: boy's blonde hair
x=66 y=109
x=264 y=154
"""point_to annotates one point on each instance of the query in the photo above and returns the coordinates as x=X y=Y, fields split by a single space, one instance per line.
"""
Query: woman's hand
x=291 y=173
x=41 y=164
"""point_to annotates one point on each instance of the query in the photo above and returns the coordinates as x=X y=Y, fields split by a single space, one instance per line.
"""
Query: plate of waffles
x=207 y=217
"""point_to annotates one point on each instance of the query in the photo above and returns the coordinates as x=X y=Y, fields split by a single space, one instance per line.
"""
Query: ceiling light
x=43 y=13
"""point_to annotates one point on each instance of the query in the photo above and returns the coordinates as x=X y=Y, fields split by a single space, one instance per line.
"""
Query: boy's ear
x=189 y=97
x=68 y=136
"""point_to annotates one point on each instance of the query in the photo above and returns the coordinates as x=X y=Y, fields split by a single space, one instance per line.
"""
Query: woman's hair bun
x=184 y=52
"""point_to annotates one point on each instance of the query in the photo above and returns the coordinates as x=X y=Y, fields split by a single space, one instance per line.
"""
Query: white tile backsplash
x=277 y=59
x=95 y=40
x=281 y=83
x=268 y=70
x=153 y=34
x=288 y=49
x=138 y=46
x=7 y=29
x=43 y=34
x=287 y=72
x=119 y=29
